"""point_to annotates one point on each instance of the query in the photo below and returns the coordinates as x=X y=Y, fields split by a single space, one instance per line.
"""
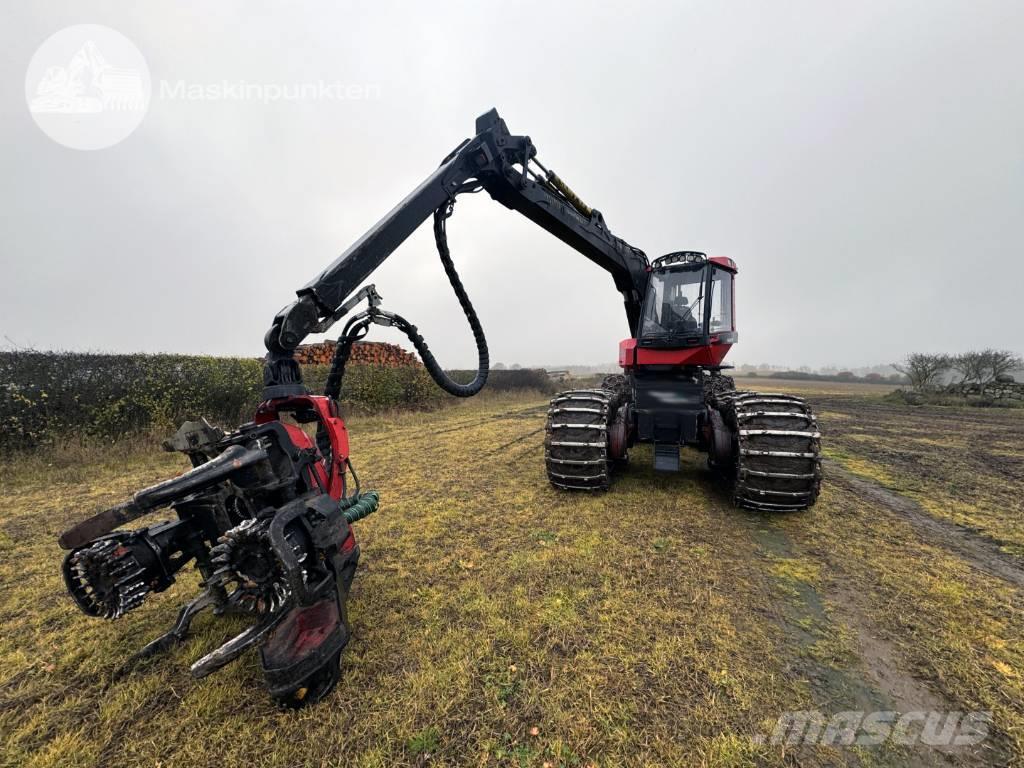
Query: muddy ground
x=499 y=622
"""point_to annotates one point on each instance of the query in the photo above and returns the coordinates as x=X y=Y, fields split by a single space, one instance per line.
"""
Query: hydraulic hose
x=357 y=327
x=360 y=506
x=444 y=381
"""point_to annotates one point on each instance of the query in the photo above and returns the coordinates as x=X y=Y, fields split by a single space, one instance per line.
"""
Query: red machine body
x=633 y=354
x=331 y=432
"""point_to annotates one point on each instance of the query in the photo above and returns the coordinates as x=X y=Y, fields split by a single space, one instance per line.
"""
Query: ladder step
x=598 y=427
x=565 y=444
x=666 y=457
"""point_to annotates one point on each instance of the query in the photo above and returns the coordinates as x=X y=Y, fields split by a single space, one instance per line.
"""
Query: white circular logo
x=88 y=87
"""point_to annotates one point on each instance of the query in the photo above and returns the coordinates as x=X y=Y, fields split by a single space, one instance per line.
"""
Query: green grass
x=498 y=622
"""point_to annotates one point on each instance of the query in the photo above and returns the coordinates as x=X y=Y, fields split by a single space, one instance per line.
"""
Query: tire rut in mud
x=980 y=552
x=870 y=675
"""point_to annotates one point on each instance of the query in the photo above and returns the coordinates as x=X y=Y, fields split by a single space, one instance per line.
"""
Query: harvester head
x=265 y=515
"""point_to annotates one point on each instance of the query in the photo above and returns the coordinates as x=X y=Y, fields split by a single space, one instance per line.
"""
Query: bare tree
x=972 y=367
x=985 y=366
x=924 y=371
x=999 y=362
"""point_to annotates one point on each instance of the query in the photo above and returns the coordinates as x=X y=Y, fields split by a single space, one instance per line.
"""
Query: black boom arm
x=498 y=162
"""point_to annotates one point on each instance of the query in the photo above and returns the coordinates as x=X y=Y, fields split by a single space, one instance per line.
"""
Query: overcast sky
x=862 y=162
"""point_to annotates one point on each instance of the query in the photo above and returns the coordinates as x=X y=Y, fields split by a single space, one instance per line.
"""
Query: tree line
x=934 y=372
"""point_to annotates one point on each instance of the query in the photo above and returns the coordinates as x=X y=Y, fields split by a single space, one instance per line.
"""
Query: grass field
x=499 y=622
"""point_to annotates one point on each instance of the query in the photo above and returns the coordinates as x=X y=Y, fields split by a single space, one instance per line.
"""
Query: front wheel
x=581 y=427
x=775 y=461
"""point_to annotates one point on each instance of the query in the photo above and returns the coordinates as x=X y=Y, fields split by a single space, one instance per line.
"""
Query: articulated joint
x=293 y=324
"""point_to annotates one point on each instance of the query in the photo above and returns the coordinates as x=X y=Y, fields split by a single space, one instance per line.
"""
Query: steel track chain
x=778 y=450
x=576 y=439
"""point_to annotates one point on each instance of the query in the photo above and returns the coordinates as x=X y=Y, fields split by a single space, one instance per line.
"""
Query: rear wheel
x=776 y=457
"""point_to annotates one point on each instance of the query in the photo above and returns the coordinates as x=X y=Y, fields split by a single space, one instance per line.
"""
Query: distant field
x=501 y=623
x=815 y=387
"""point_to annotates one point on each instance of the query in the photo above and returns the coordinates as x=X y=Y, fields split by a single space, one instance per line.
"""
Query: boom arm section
x=498 y=162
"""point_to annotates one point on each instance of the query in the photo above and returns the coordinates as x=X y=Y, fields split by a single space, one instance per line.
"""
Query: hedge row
x=47 y=398
x=535 y=379
x=52 y=397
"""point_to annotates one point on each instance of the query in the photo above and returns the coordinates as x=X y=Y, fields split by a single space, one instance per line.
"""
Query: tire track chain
x=576 y=439
x=778 y=450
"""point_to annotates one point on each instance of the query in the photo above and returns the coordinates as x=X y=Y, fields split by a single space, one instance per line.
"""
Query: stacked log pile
x=363 y=353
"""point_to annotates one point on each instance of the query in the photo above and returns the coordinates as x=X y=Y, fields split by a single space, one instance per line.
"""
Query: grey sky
x=862 y=162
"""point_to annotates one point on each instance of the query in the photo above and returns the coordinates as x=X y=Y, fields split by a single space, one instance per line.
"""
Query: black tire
x=576 y=439
x=777 y=451
x=618 y=384
x=717 y=386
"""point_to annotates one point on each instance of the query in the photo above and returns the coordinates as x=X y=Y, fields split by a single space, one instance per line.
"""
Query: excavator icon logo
x=81 y=98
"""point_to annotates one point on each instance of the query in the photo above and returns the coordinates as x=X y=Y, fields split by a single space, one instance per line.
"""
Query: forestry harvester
x=266 y=510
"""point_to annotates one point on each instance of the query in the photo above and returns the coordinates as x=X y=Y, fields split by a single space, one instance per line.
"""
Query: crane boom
x=486 y=161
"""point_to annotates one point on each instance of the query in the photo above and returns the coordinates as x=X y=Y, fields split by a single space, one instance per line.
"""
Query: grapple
x=265 y=513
